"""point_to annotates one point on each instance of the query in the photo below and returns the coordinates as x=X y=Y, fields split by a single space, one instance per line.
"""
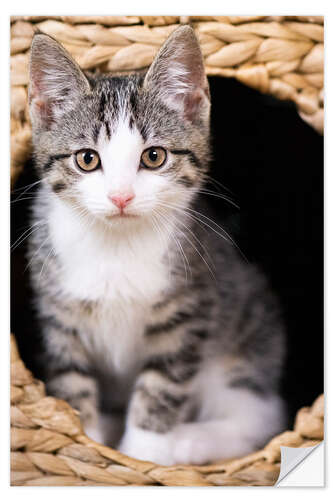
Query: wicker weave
x=48 y=447
x=278 y=55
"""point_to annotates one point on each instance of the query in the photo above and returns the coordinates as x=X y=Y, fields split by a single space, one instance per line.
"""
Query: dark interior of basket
x=271 y=163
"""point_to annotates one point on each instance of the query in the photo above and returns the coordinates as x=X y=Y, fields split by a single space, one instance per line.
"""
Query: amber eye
x=88 y=160
x=153 y=157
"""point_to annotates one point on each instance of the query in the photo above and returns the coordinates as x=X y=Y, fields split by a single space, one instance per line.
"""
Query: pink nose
x=121 y=200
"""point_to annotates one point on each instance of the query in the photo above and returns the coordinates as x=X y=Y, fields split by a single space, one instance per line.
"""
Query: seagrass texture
x=279 y=55
x=49 y=448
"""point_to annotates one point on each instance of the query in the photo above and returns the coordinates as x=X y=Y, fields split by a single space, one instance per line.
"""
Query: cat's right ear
x=56 y=81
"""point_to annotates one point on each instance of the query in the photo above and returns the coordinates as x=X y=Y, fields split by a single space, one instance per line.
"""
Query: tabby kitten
x=155 y=328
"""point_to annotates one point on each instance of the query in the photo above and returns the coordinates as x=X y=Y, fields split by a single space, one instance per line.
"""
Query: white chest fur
x=122 y=271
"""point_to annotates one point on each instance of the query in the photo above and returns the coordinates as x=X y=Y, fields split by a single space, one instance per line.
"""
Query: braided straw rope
x=278 y=55
x=49 y=448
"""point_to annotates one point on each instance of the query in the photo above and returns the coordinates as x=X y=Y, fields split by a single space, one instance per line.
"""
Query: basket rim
x=48 y=445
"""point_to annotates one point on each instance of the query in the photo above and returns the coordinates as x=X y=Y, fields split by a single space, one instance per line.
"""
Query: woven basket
x=49 y=447
x=278 y=55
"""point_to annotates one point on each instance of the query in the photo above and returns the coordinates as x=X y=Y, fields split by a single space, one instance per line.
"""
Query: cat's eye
x=87 y=160
x=153 y=157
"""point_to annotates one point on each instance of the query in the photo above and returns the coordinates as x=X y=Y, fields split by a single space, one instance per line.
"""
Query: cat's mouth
x=121 y=215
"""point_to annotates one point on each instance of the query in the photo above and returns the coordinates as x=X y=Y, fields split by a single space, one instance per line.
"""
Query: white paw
x=190 y=445
x=94 y=433
x=147 y=445
x=205 y=442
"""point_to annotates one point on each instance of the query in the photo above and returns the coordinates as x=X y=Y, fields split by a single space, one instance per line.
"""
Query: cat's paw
x=203 y=442
x=94 y=432
x=190 y=446
x=147 y=445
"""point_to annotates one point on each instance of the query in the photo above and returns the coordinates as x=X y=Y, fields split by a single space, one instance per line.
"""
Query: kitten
x=169 y=344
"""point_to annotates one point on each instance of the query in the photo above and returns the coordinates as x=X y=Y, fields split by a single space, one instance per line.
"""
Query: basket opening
x=272 y=162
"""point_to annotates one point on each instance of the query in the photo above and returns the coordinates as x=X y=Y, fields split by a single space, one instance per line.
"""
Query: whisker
x=27 y=187
x=31 y=229
x=45 y=261
x=35 y=253
x=195 y=248
x=211 y=180
x=23 y=199
x=160 y=233
x=81 y=212
x=218 y=195
x=229 y=238
x=179 y=245
x=193 y=235
x=196 y=215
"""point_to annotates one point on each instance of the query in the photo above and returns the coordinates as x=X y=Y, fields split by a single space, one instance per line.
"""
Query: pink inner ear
x=44 y=110
x=192 y=103
x=42 y=105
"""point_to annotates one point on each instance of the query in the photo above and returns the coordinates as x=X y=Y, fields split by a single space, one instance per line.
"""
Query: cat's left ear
x=56 y=81
x=177 y=75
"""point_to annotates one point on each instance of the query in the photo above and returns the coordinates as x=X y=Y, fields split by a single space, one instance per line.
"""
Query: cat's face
x=119 y=148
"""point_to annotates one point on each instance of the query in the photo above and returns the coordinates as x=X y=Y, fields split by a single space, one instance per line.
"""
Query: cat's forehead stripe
x=122 y=152
x=117 y=100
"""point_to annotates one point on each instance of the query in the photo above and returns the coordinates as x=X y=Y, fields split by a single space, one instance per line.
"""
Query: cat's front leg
x=68 y=375
x=80 y=391
x=161 y=400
